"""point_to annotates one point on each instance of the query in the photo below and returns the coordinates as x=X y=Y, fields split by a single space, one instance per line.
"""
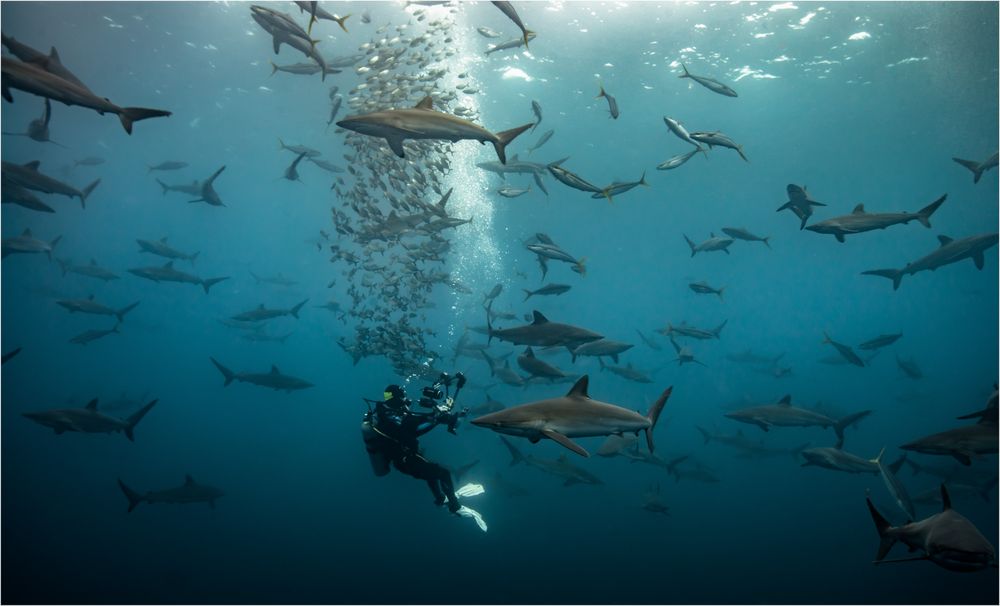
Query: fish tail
x=924 y=214
x=504 y=138
x=121 y=312
x=719 y=292
x=581 y=266
x=642 y=179
x=341 y=21
x=527 y=293
x=206 y=284
x=134 y=419
x=691 y=245
x=63 y=265
x=226 y=373
x=686 y=74
x=973 y=166
x=527 y=35
x=654 y=415
x=607 y=194
x=896 y=275
x=739 y=150
x=274 y=68
x=515 y=454
x=767 y=241
x=165 y=187
x=128 y=115
x=52 y=247
x=848 y=421
x=886 y=539
x=134 y=498
x=295 y=310
x=704 y=434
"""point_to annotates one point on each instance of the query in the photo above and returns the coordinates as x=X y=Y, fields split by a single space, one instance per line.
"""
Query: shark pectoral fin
x=962 y=458
x=839 y=237
x=396 y=145
x=978 y=260
x=534 y=439
x=564 y=441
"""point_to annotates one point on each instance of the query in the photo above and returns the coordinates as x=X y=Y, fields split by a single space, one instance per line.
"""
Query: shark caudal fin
x=847 y=421
x=504 y=138
x=691 y=244
x=228 y=374
x=924 y=214
x=654 y=415
x=896 y=275
x=52 y=247
x=515 y=454
x=886 y=540
x=128 y=115
x=134 y=498
x=686 y=74
x=86 y=192
x=704 y=433
x=767 y=241
x=489 y=326
x=134 y=419
x=165 y=187
x=295 y=310
x=206 y=284
x=121 y=312
x=975 y=167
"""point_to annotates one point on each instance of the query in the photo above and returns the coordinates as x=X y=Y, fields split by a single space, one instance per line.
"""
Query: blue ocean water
x=860 y=102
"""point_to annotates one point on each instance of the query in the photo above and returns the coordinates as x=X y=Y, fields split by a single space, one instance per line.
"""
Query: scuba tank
x=371 y=438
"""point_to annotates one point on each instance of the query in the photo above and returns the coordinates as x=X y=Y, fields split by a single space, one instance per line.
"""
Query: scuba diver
x=391 y=429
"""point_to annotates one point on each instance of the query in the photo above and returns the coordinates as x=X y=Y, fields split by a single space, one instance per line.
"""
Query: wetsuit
x=399 y=429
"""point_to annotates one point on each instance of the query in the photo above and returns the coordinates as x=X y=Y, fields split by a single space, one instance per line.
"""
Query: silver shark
x=35 y=80
x=861 y=221
x=90 y=306
x=541 y=333
x=712 y=244
x=560 y=467
x=89 y=420
x=167 y=273
x=263 y=313
x=29 y=177
x=571 y=416
x=978 y=168
x=947 y=539
x=274 y=379
x=422 y=122
x=962 y=443
x=27 y=244
x=800 y=203
x=189 y=492
x=162 y=249
x=950 y=251
x=783 y=414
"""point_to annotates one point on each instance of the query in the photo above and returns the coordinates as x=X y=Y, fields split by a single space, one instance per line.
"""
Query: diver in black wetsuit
x=390 y=433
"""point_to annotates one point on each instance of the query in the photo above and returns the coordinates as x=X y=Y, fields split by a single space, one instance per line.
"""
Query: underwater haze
x=259 y=401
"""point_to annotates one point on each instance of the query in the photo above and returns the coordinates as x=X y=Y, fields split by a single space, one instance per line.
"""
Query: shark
x=800 y=203
x=274 y=379
x=861 y=221
x=947 y=539
x=560 y=467
x=27 y=244
x=263 y=313
x=423 y=122
x=189 y=492
x=29 y=177
x=541 y=332
x=950 y=251
x=962 y=443
x=90 y=306
x=574 y=415
x=783 y=414
x=33 y=79
x=89 y=420
x=167 y=273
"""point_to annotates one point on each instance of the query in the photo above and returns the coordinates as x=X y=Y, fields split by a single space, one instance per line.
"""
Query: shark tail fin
x=52 y=247
x=86 y=192
x=64 y=265
x=515 y=454
x=691 y=245
x=504 y=138
x=975 y=167
x=129 y=115
x=527 y=293
x=295 y=310
x=489 y=325
x=672 y=466
x=165 y=187
x=718 y=329
x=886 y=540
x=654 y=415
x=686 y=74
x=767 y=241
x=719 y=292
x=134 y=498
x=847 y=421
x=134 y=419
x=274 y=68
x=924 y=214
x=896 y=275
x=121 y=312
x=226 y=373
x=206 y=284
x=490 y=361
x=704 y=434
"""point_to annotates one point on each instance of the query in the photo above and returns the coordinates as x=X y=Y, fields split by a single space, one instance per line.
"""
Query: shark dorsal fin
x=169 y=265
x=163 y=239
x=858 y=210
x=90 y=297
x=785 y=401
x=188 y=480
x=539 y=318
x=92 y=405
x=711 y=234
x=93 y=262
x=54 y=55
x=426 y=103
x=945 y=499
x=274 y=370
x=945 y=240
x=529 y=353
x=33 y=165
x=261 y=306
x=26 y=233
x=579 y=389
